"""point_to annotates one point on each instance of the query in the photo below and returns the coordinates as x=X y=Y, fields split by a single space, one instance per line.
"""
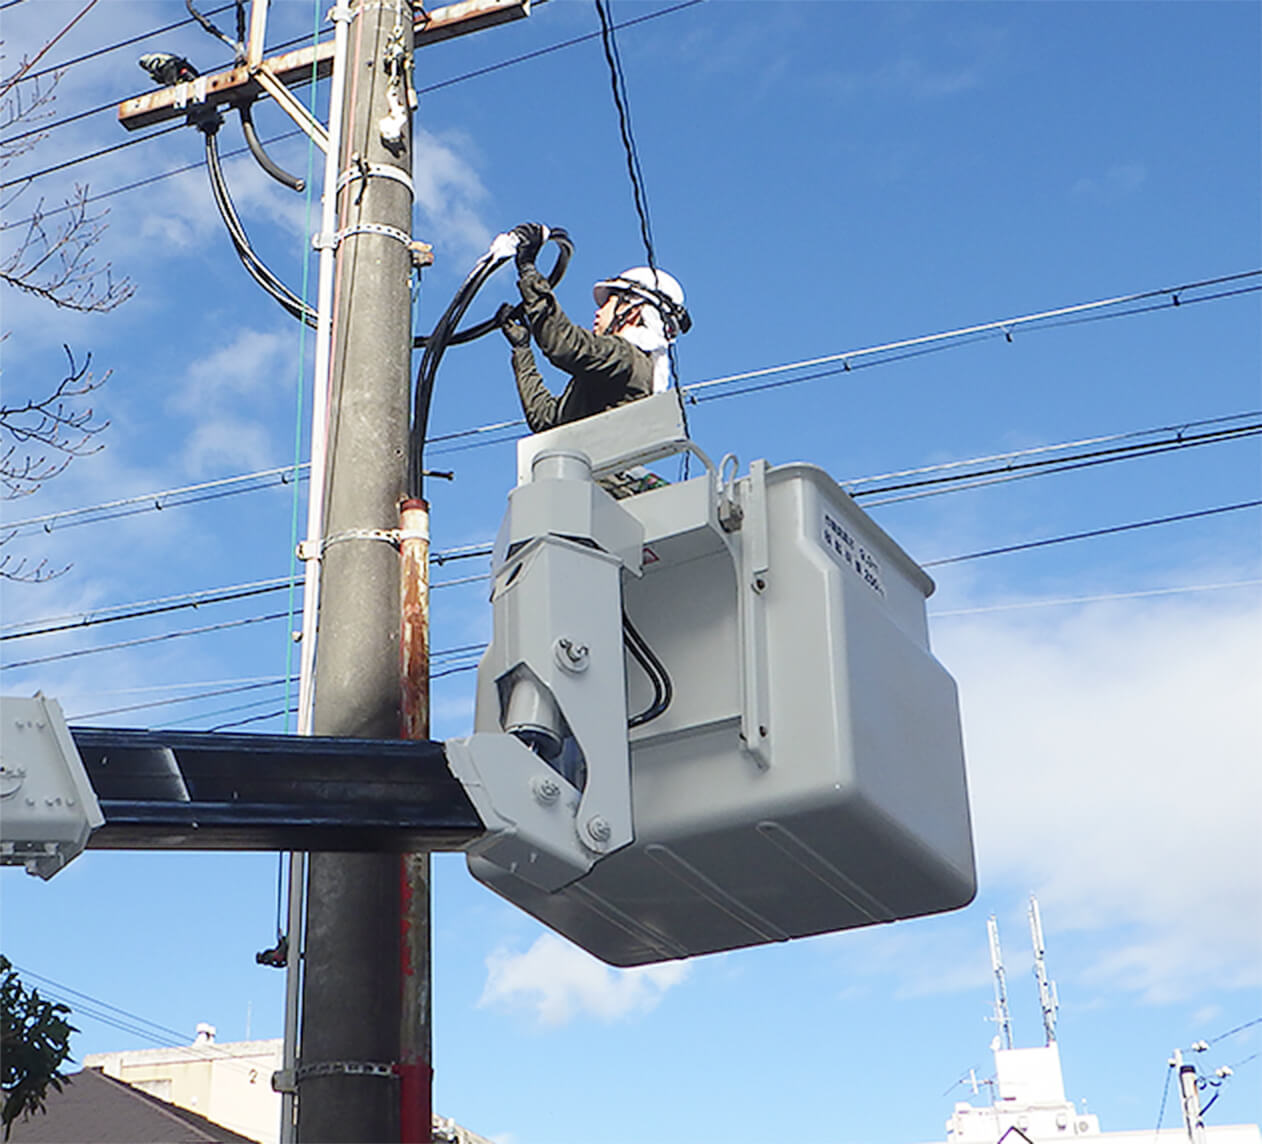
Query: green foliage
x=34 y=1042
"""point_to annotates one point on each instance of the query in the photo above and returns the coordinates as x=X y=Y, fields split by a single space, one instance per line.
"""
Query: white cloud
x=558 y=982
x=1120 y=181
x=1113 y=759
x=449 y=194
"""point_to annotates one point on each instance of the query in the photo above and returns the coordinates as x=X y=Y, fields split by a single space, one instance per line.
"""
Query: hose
x=663 y=689
x=257 y=270
x=293 y=182
x=446 y=333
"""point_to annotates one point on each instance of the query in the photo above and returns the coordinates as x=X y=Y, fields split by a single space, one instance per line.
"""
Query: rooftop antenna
x=1002 y=1017
x=1048 y=999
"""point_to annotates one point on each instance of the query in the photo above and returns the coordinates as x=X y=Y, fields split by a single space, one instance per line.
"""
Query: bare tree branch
x=41 y=435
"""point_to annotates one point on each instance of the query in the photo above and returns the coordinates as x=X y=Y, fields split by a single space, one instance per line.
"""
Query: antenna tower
x=1049 y=1002
x=1002 y=1017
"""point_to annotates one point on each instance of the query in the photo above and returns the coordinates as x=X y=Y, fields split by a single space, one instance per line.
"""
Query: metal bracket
x=340 y=1068
x=375 y=171
x=315 y=549
x=753 y=577
x=290 y=104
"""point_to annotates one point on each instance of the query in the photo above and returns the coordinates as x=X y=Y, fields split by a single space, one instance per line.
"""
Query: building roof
x=97 y=1109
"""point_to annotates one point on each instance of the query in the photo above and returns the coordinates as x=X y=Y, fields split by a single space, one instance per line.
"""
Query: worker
x=624 y=357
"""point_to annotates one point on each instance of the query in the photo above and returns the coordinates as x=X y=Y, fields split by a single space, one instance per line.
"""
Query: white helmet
x=659 y=289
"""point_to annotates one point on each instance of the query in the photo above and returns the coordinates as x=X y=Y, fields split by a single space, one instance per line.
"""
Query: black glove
x=530 y=240
x=513 y=324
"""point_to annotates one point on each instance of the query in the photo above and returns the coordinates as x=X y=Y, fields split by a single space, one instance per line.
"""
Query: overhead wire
x=21 y=180
x=997 y=551
x=474 y=74
x=24 y=70
x=144 y=609
x=166 y=499
x=1105 y=597
x=1109 y=531
x=65 y=64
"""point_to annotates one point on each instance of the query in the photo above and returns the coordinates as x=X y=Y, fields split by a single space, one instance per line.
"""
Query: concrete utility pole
x=352 y=1040
x=1189 y=1100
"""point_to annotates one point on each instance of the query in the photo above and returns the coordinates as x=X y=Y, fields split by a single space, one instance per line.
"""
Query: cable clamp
x=191 y=89
x=375 y=171
x=315 y=549
x=341 y=14
x=343 y=1068
x=324 y=242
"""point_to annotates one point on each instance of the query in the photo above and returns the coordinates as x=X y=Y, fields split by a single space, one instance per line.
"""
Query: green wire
x=298 y=412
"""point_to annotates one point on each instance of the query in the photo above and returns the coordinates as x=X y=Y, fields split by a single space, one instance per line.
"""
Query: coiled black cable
x=446 y=333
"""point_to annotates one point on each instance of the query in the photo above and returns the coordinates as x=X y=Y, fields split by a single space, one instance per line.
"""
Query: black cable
x=618 y=84
x=659 y=677
x=446 y=333
x=289 y=301
x=237 y=45
x=264 y=160
x=1093 y=532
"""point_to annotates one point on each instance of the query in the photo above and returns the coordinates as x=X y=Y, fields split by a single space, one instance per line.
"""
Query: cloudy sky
x=823 y=177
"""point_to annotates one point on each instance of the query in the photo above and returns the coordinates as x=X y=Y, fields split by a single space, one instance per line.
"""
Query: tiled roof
x=97 y=1109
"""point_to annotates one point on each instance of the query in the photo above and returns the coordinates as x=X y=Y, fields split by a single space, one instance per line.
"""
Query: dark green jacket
x=605 y=370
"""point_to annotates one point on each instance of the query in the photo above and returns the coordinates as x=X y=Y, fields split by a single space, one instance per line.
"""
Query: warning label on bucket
x=844 y=547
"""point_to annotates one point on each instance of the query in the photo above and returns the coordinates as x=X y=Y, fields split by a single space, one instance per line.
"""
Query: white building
x=229 y=1083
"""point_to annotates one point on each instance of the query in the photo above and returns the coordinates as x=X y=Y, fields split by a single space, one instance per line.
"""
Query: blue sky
x=822 y=177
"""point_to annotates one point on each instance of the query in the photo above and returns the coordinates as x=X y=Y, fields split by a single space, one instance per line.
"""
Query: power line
x=26 y=67
x=962 y=482
x=1002 y=326
x=24 y=179
x=221 y=598
x=1237 y=1029
x=1091 y=533
x=1066 y=601
x=289 y=134
x=473 y=551
x=145 y=640
x=168 y=498
x=120 y=44
x=275 y=682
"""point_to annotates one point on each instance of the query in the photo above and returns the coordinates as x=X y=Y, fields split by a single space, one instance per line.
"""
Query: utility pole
x=364 y=1071
x=351 y=1044
x=1189 y=1099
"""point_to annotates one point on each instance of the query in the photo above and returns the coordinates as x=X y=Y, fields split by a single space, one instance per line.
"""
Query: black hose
x=447 y=333
x=565 y=251
x=293 y=182
x=659 y=677
x=254 y=266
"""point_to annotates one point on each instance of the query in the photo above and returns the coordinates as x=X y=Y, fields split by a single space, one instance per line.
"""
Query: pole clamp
x=366 y=171
x=314 y=549
x=344 y=1068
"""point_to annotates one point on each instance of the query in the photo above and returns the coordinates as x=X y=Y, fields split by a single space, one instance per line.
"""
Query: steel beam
x=190 y=790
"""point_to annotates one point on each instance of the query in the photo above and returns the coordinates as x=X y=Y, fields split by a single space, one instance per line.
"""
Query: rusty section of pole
x=414 y=1067
x=414 y=610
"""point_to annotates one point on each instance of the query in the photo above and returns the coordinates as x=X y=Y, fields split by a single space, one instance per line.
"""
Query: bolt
x=760 y=584
x=547 y=791
x=572 y=655
x=762 y=731
x=598 y=829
